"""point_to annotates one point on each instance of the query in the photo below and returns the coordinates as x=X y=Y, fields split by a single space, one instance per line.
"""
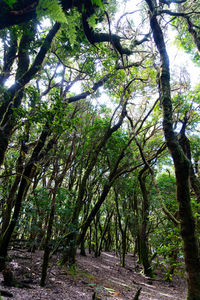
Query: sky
x=179 y=60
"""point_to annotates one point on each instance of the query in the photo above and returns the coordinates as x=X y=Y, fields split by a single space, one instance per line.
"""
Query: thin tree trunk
x=58 y=181
x=48 y=237
x=76 y=240
x=25 y=183
x=144 y=250
x=82 y=252
x=13 y=96
x=106 y=225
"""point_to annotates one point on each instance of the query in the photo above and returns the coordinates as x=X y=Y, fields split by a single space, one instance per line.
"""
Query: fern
x=71 y=32
x=92 y=21
x=98 y=3
x=70 y=27
x=10 y=2
x=51 y=9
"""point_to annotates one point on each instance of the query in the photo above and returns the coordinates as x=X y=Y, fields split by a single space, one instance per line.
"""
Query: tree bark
x=24 y=11
x=185 y=144
x=144 y=250
x=75 y=239
x=27 y=176
x=182 y=166
x=13 y=96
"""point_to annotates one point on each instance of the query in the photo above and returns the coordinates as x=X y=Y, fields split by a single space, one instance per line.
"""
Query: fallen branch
x=6 y=294
x=136 y=297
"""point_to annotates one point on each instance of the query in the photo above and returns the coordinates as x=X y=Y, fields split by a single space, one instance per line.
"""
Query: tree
x=182 y=165
x=73 y=154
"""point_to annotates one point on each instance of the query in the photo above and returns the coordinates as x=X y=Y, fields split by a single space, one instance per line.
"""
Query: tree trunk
x=82 y=252
x=13 y=96
x=94 y=211
x=124 y=246
x=47 y=241
x=105 y=229
x=28 y=174
x=185 y=144
x=182 y=167
x=96 y=221
x=116 y=236
x=82 y=187
x=144 y=250
x=70 y=247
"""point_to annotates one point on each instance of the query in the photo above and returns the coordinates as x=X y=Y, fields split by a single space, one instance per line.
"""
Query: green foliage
x=98 y=3
x=10 y=2
x=64 y=209
x=92 y=21
x=51 y=9
x=167 y=186
x=71 y=25
x=195 y=147
x=78 y=129
x=185 y=41
x=170 y=253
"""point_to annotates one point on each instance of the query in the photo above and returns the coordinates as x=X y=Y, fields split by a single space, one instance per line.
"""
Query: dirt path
x=103 y=276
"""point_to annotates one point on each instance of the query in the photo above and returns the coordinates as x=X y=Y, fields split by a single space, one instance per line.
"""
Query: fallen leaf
x=116 y=294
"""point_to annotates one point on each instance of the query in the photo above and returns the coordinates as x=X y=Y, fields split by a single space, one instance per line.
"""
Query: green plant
x=51 y=9
x=10 y=2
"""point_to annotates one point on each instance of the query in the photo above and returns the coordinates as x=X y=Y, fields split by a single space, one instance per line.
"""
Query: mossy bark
x=182 y=166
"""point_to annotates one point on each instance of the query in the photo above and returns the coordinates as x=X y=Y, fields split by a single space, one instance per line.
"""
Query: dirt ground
x=102 y=277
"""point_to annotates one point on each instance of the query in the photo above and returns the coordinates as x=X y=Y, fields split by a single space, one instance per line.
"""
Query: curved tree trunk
x=14 y=95
x=182 y=166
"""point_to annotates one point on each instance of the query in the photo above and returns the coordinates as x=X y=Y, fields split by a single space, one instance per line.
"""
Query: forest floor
x=102 y=276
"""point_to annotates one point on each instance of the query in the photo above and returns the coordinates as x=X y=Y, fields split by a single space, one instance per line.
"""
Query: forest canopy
x=99 y=131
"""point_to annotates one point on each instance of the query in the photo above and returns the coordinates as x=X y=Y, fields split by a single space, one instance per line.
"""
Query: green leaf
x=52 y=9
x=98 y=3
x=10 y=2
